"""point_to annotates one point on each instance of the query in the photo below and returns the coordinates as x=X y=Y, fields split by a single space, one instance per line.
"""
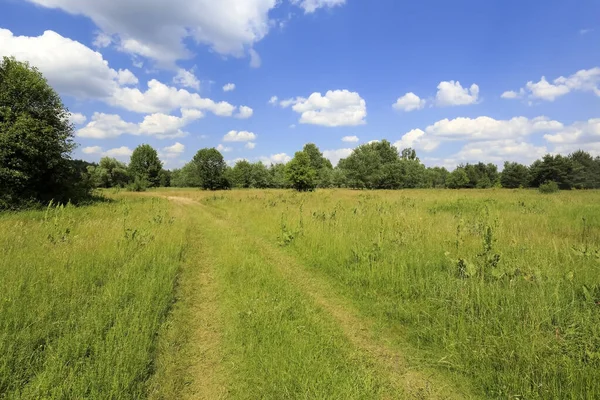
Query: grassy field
x=335 y=294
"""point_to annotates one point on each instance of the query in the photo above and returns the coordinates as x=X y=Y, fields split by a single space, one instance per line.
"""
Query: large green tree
x=319 y=163
x=210 y=167
x=109 y=173
x=514 y=175
x=145 y=165
x=36 y=139
x=300 y=173
x=364 y=168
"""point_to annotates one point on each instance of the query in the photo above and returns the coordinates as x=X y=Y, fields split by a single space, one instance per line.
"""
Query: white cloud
x=70 y=67
x=122 y=151
x=577 y=134
x=185 y=78
x=77 y=118
x=336 y=108
x=311 y=6
x=289 y=102
x=409 y=102
x=242 y=136
x=486 y=128
x=162 y=98
x=173 y=151
x=255 y=61
x=102 y=40
x=162 y=126
x=281 y=158
x=224 y=149
x=229 y=87
x=244 y=113
x=273 y=100
x=336 y=155
x=511 y=94
x=250 y=145
x=92 y=150
x=453 y=94
x=583 y=80
x=159 y=28
x=418 y=140
x=350 y=139
x=119 y=152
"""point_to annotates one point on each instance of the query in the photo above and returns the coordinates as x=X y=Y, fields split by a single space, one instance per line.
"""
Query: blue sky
x=460 y=81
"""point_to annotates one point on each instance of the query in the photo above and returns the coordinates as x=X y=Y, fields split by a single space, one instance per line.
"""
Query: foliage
x=514 y=175
x=145 y=165
x=210 y=167
x=458 y=179
x=36 y=140
x=188 y=176
x=139 y=184
x=549 y=187
x=109 y=173
x=300 y=173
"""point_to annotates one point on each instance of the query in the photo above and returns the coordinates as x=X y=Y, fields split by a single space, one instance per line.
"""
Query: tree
x=260 y=177
x=553 y=168
x=514 y=175
x=319 y=163
x=109 y=173
x=145 y=165
x=186 y=177
x=210 y=167
x=364 y=167
x=36 y=139
x=457 y=179
x=164 y=178
x=300 y=173
x=586 y=170
x=241 y=174
x=277 y=177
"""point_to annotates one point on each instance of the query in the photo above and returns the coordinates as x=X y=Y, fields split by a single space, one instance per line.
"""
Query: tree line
x=36 y=143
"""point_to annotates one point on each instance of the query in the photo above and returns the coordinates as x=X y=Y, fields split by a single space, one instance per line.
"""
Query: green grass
x=83 y=292
x=524 y=326
x=495 y=290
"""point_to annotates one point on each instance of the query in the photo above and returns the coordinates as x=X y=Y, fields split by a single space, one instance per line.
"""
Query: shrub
x=549 y=187
x=138 y=185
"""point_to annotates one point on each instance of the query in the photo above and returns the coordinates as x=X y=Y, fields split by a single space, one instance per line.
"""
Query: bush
x=138 y=185
x=549 y=187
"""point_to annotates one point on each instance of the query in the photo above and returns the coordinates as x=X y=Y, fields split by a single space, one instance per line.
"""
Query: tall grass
x=82 y=295
x=501 y=287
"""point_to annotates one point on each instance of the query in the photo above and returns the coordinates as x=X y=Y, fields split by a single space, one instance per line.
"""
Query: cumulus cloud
x=583 y=80
x=310 y=6
x=242 y=136
x=186 y=78
x=350 y=139
x=76 y=70
x=173 y=151
x=77 y=118
x=162 y=98
x=453 y=94
x=122 y=151
x=223 y=149
x=250 y=145
x=417 y=140
x=92 y=150
x=486 y=128
x=70 y=67
x=244 y=112
x=336 y=155
x=102 y=40
x=162 y=126
x=336 y=108
x=119 y=152
x=281 y=158
x=578 y=134
x=273 y=100
x=409 y=102
x=229 y=87
x=161 y=27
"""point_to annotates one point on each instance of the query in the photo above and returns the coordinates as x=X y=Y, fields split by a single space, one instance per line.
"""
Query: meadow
x=273 y=294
